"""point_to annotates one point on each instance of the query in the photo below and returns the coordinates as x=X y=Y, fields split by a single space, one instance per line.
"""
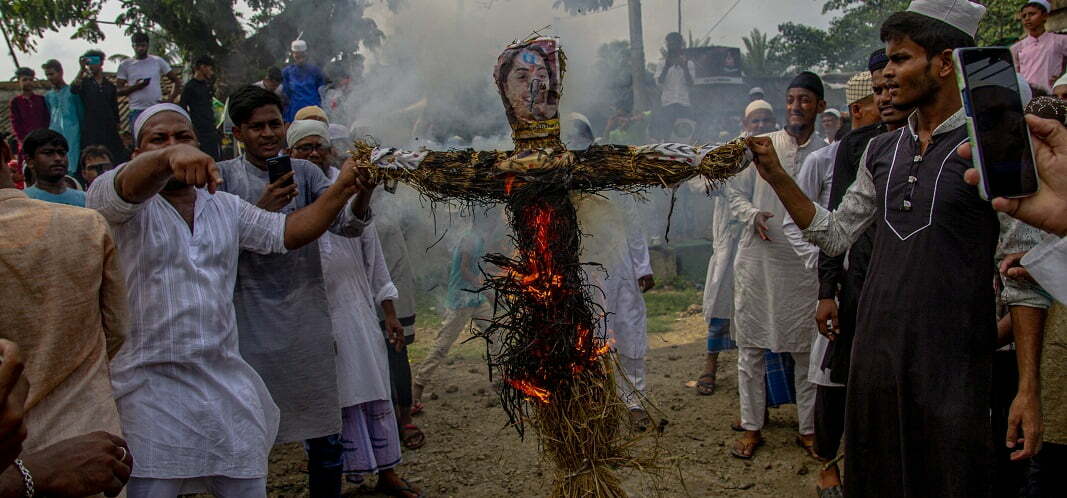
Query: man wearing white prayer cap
x=301 y=81
x=919 y=388
x=756 y=93
x=196 y=415
x=759 y=118
x=1059 y=88
x=832 y=123
x=1041 y=56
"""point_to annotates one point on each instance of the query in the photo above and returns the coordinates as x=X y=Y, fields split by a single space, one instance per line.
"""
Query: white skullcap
x=1061 y=81
x=756 y=105
x=1043 y=3
x=152 y=111
x=755 y=90
x=963 y=15
x=834 y=112
x=298 y=46
x=303 y=128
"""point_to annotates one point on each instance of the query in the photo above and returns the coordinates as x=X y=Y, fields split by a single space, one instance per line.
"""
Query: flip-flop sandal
x=416 y=408
x=412 y=440
x=807 y=447
x=738 y=452
x=401 y=492
x=705 y=388
x=831 y=492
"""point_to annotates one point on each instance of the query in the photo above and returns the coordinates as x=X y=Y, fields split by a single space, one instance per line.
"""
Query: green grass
x=663 y=305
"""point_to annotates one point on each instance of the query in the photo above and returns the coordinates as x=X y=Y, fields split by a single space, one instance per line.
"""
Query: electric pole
x=637 y=56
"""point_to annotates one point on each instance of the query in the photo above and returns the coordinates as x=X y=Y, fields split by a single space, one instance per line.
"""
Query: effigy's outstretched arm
x=490 y=176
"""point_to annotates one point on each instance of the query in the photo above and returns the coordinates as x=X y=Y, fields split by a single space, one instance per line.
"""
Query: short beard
x=928 y=87
x=797 y=129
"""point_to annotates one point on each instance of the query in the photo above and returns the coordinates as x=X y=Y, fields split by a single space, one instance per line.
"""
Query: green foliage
x=1001 y=25
x=846 y=44
x=762 y=57
x=664 y=305
x=244 y=47
x=575 y=7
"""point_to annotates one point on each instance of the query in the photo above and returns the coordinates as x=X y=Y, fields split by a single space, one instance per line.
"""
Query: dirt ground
x=470 y=452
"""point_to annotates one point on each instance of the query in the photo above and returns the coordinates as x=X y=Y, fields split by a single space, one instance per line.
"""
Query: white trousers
x=751 y=370
x=221 y=487
x=630 y=380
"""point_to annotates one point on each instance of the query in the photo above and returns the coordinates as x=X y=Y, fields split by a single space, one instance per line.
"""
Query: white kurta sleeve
x=811 y=180
x=835 y=232
x=381 y=283
x=1047 y=263
x=104 y=197
x=642 y=262
x=259 y=230
x=739 y=192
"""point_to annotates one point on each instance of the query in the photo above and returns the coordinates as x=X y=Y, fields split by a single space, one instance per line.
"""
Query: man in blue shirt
x=65 y=110
x=46 y=154
x=301 y=81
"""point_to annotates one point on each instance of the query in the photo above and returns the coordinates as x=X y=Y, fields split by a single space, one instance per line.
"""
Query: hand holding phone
x=999 y=136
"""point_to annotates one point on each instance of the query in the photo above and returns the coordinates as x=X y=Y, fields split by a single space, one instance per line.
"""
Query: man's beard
x=928 y=87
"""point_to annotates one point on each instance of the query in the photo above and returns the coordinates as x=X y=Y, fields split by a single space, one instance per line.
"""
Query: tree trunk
x=637 y=57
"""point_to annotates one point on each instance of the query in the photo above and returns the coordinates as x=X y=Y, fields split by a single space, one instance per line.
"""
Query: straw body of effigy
x=547 y=339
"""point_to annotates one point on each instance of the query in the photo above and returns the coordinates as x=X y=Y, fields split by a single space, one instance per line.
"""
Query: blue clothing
x=69 y=197
x=301 y=84
x=781 y=387
x=472 y=245
x=65 y=113
x=719 y=336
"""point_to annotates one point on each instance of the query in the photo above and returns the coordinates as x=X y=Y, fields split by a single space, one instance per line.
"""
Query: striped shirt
x=190 y=405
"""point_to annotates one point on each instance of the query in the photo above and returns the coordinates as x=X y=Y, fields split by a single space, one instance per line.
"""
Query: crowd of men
x=172 y=323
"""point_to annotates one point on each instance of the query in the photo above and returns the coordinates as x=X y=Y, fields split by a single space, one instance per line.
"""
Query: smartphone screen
x=278 y=167
x=94 y=60
x=993 y=101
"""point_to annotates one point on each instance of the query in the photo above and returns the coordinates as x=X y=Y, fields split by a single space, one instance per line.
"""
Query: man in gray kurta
x=283 y=320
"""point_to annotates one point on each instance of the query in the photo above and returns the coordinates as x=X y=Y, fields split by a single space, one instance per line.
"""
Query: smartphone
x=93 y=60
x=1000 y=139
x=278 y=167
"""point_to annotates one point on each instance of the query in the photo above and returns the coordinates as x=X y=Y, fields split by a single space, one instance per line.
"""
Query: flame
x=508 y=183
x=531 y=390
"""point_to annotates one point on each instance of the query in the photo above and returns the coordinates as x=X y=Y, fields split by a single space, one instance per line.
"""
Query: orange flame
x=531 y=390
x=508 y=183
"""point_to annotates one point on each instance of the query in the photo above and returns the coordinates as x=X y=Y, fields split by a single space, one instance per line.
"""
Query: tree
x=846 y=44
x=762 y=57
x=1001 y=25
x=242 y=47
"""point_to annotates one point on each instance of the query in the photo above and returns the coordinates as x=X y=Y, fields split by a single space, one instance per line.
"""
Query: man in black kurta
x=917 y=416
x=99 y=96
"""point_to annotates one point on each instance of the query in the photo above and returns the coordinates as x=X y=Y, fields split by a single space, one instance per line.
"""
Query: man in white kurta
x=614 y=241
x=775 y=294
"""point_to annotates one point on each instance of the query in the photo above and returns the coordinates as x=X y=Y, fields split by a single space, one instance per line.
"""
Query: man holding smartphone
x=99 y=97
x=282 y=309
x=918 y=402
x=139 y=78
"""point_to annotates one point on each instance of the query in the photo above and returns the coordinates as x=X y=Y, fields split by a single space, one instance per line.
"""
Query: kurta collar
x=956 y=120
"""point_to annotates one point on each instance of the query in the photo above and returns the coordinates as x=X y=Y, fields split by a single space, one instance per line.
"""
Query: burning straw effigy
x=547 y=338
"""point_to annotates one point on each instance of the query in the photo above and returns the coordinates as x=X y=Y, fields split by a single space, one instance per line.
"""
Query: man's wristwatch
x=27 y=479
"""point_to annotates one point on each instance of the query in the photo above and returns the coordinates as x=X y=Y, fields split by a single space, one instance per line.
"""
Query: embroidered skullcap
x=809 y=81
x=756 y=105
x=1048 y=108
x=877 y=61
x=298 y=46
x=859 y=87
x=311 y=112
x=963 y=15
x=152 y=111
x=301 y=129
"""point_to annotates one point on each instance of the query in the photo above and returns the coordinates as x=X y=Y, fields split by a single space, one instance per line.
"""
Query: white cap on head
x=152 y=111
x=303 y=128
x=1043 y=3
x=834 y=112
x=755 y=90
x=298 y=46
x=757 y=105
x=1061 y=81
x=963 y=15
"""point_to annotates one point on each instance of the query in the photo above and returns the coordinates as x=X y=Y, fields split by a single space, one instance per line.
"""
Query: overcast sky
x=660 y=17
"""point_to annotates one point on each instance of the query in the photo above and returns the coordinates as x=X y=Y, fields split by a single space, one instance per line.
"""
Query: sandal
x=831 y=492
x=706 y=388
x=745 y=450
x=412 y=437
x=808 y=446
x=404 y=491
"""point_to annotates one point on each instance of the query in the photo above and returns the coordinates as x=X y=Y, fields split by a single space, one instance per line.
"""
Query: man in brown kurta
x=63 y=302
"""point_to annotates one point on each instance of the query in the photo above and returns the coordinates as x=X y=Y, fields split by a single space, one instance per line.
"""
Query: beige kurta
x=774 y=294
x=1053 y=375
x=63 y=301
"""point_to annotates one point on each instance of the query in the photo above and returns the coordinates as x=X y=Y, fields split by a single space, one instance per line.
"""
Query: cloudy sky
x=505 y=18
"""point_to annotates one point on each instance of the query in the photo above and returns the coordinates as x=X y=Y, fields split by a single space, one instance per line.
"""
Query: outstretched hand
x=191 y=166
x=1047 y=209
